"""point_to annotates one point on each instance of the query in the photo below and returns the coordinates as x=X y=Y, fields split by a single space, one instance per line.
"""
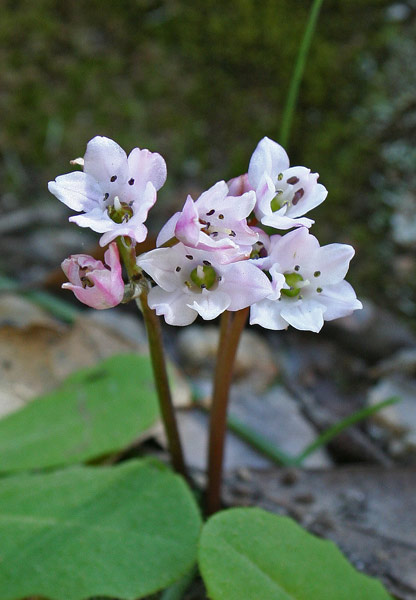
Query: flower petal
x=210 y=305
x=269 y=157
x=105 y=160
x=172 y=306
x=266 y=313
x=146 y=166
x=306 y=315
x=244 y=283
x=78 y=190
x=340 y=300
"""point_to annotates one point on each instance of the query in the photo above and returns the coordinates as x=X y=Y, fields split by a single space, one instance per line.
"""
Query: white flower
x=283 y=194
x=115 y=192
x=215 y=221
x=312 y=290
x=192 y=282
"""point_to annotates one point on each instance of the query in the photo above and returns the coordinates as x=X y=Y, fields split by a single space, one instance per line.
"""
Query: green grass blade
x=298 y=72
x=336 y=429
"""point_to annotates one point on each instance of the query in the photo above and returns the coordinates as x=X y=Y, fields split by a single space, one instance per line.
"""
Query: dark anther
x=220 y=216
x=233 y=234
x=106 y=196
x=293 y=180
x=214 y=233
x=178 y=269
x=317 y=273
x=131 y=181
x=219 y=278
x=189 y=256
x=113 y=178
x=260 y=244
x=203 y=286
x=263 y=253
x=319 y=290
x=298 y=195
x=297 y=267
x=207 y=263
x=211 y=212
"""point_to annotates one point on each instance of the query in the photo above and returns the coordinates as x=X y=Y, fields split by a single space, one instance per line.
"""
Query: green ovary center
x=204 y=276
x=275 y=204
x=121 y=214
x=292 y=279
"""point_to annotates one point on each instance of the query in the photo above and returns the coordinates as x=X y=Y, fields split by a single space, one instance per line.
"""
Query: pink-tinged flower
x=192 y=282
x=312 y=290
x=96 y=285
x=238 y=186
x=115 y=191
x=216 y=221
x=283 y=194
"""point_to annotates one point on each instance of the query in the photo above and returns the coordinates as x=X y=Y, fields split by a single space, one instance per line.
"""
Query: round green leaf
x=96 y=411
x=120 y=532
x=248 y=553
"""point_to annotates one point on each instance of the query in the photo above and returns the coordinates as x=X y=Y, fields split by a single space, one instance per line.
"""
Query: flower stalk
x=154 y=335
x=231 y=329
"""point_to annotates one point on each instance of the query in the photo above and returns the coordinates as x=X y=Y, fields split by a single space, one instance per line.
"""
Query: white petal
x=297 y=247
x=212 y=198
x=269 y=157
x=168 y=230
x=172 y=305
x=244 y=283
x=95 y=219
x=333 y=261
x=305 y=315
x=146 y=166
x=340 y=300
x=312 y=198
x=105 y=159
x=161 y=263
x=210 y=304
x=77 y=190
x=282 y=222
x=266 y=313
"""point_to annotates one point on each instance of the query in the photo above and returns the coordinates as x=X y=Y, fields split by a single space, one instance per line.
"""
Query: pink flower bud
x=93 y=283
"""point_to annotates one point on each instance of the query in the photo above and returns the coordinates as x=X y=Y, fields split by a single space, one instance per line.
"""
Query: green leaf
x=122 y=532
x=250 y=553
x=96 y=411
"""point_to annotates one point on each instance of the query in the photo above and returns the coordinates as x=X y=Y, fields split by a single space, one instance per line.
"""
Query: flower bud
x=93 y=283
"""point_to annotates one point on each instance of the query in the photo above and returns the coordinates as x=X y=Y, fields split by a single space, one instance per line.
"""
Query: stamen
x=220 y=216
x=280 y=177
x=106 y=196
x=178 y=269
x=131 y=181
x=214 y=233
x=293 y=180
x=189 y=256
x=113 y=178
x=317 y=273
x=232 y=233
x=211 y=212
x=207 y=263
x=319 y=290
x=297 y=267
x=298 y=195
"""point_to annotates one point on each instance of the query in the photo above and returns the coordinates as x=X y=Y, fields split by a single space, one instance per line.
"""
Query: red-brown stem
x=227 y=349
x=154 y=335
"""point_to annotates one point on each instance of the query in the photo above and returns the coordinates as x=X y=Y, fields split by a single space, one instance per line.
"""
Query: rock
x=193 y=426
x=373 y=333
x=197 y=346
x=396 y=424
x=277 y=417
x=403 y=361
x=16 y=311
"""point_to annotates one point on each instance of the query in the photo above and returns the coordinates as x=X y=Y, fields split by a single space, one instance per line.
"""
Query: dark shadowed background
x=201 y=83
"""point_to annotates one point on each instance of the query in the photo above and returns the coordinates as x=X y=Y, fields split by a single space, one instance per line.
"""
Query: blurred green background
x=201 y=83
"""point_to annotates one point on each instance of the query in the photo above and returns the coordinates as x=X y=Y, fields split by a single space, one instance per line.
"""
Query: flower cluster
x=213 y=255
